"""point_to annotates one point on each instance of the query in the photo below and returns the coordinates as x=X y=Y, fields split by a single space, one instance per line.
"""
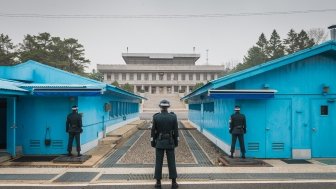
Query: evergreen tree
x=128 y=87
x=7 y=51
x=262 y=43
x=291 y=44
x=255 y=56
x=66 y=54
x=303 y=41
x=275 y=47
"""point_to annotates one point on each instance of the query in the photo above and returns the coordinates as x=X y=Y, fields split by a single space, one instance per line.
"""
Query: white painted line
x=181 y=183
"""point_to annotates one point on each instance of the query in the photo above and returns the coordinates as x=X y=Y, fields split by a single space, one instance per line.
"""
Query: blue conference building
x=35 y=100
x=289 y=103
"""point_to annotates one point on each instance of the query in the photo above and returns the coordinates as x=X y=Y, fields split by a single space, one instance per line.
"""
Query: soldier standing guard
x=74 y=128
x=164 y=137
x=237 y=129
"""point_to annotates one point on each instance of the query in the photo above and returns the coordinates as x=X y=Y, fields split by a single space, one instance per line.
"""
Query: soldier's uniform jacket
x=237 y=123
x=164 y=133
x=74 y=123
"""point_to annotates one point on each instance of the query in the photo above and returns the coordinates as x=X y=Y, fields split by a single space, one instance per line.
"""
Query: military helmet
x=74 y=107
x=237 y=108
x=164 y=103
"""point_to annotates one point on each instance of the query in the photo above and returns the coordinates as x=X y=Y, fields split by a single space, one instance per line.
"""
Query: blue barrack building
x=35 y=100
x=289 y=103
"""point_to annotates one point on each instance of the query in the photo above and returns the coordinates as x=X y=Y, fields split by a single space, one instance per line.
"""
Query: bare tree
x=318 y=34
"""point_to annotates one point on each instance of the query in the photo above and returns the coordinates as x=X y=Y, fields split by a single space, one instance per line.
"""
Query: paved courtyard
x=194 y=150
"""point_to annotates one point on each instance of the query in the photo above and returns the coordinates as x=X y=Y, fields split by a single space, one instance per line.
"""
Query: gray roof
x=160 y=55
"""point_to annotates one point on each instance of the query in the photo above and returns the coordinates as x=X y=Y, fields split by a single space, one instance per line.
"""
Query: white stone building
x=158 y=73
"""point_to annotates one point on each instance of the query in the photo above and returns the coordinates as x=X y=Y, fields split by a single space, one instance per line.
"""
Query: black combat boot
x=158 y=183
x=243 y=156
x=174 y=184
x=69 y=153
x=79 y=154
x=231 y=156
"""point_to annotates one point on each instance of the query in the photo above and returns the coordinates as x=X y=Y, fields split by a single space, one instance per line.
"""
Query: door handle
x=267 y=129
x=314 y=129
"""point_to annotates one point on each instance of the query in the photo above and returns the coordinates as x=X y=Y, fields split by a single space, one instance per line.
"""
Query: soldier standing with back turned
x=164 y=137
x=74 y=128
x=237 y=129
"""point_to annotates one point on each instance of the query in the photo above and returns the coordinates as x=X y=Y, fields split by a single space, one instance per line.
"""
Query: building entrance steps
x=152 y=104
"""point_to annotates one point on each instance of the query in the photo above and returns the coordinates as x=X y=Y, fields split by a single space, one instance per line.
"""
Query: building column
x=150 y=89
x=187 y=89
x=134 y=88
x=216 y=76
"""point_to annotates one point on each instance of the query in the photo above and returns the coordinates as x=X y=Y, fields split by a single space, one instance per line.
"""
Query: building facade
x=160 y=73
x=289 y=103
x=35 y=100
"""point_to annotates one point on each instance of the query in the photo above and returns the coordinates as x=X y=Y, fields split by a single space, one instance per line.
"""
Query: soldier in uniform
x=74 y=128
x=164 y=137
x=237 y=129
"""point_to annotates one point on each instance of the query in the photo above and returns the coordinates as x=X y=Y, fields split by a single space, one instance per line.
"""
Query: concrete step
x=4 y=157
x=127 y=130
x=110 y=140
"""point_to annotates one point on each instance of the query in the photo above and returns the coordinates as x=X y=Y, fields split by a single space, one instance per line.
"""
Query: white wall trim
x=222 y=145
x=301 y=153
x=89 y=145
x=110 y=128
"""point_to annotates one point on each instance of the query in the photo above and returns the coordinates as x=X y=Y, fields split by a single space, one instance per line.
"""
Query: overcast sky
x=226 y=37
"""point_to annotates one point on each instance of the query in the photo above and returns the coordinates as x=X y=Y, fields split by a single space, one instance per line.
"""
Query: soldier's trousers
x=241 y=143
x=170 y=153
x=70 y=141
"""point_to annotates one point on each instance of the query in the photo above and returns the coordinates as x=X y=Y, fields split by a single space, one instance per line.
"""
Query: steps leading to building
x=152 y=104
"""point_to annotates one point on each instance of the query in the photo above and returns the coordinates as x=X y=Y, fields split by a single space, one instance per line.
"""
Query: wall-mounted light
x=325 y=89
x=266 y=86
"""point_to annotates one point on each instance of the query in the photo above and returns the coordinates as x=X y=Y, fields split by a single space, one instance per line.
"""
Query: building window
x=324 y=110
x=147 y=89
x=168 y=76
x=161 y=75
x=191 y=76
x=212 y=76
x=176 y=88
x=153 y=76
x=175 y=76
x=116 y=76
x=183 y=75
x=124 y=76
x=131 y=75
x=198 y=76
x=109 y=77
x=146 y=76
x=138 y=76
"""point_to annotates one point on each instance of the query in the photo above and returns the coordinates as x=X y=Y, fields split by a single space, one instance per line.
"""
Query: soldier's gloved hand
x=244 y=131
x=153 y=144
x=230 y=131
x=176 y=144
x=81 y=130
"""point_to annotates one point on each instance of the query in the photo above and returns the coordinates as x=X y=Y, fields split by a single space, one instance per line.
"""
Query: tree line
x=66 y=54
x=269 y=49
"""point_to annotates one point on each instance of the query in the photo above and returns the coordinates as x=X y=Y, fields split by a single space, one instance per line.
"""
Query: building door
x=278 y=128
x=3 y=123
x=254 y=111
x=11 y=126
x=323 y=128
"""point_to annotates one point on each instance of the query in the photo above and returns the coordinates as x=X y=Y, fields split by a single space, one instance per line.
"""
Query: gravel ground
x=208 y=147
x=142 y=152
